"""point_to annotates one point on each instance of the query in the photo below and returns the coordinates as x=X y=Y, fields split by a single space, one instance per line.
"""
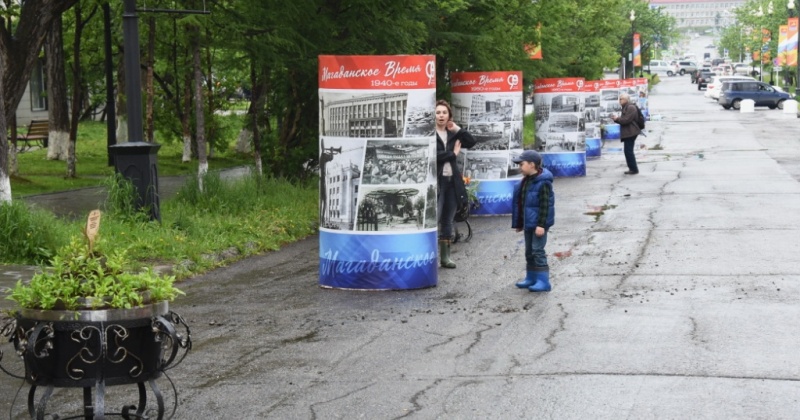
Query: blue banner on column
x=611 y=132
x=377 y=261
x=593 y=147
x=565 y=164
x=495 y=196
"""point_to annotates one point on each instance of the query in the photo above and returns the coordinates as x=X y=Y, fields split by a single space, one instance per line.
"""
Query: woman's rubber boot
x=542 y=281
x=444 y=254
x=528 y=281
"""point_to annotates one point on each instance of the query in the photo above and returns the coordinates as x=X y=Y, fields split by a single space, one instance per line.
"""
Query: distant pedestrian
x=533 y=211
x=629 y=130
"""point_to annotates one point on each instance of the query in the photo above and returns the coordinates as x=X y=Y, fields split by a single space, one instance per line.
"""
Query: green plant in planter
x=85 y=277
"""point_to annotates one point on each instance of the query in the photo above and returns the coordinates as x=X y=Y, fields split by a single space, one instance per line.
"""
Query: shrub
x=28 y=235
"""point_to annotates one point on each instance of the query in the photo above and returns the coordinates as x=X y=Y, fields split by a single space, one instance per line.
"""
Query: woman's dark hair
x=445 y=104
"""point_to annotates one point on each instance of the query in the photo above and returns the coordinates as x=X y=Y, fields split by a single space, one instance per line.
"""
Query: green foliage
x=529 y=130
x=121 y=199
x=81 y=278
x=37 y=175
x=28 y=235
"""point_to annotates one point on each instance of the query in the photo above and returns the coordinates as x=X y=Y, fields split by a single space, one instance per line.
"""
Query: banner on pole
x=783 y=31
x=377 y=166
x=637 y=52
x=791 y=42
x=535 y=50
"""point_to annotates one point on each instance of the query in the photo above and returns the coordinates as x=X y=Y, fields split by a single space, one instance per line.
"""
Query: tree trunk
x=185 y=122
x=122 y=105
x=150 y=89
x=77 y=91
x=258 y=82
x=19 y=52
x=200 y=122
x=58 y=118
x=5 y=179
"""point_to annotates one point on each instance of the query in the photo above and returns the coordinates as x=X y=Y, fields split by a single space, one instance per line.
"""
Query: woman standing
x=450 y=138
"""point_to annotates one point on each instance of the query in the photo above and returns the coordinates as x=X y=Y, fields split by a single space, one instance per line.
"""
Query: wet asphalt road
x=674 y=296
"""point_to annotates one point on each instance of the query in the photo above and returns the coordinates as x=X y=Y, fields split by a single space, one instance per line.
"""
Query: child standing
x=533 y=211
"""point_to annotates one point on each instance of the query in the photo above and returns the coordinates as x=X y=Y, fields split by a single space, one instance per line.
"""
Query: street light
x=760 y=14
x=633 y=44
x=791 y=7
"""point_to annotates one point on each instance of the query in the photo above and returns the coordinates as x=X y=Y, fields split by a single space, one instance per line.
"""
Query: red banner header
x=380 y=72
x=494 y=81
x=574 y=84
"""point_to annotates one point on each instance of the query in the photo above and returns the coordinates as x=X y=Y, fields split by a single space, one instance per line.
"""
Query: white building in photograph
x=699 y=13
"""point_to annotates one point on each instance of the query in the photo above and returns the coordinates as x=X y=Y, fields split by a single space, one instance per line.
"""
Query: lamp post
x=792 y=13
x=760 y=14
x=633 y=44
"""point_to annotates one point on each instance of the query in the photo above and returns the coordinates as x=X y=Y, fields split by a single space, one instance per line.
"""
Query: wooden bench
x=38 y=132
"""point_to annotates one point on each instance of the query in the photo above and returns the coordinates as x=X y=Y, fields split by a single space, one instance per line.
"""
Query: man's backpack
x=639 y=118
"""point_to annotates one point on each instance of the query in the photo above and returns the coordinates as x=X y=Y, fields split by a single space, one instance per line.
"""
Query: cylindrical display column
x=489 y=105
x=561 y=125
x=377 y=164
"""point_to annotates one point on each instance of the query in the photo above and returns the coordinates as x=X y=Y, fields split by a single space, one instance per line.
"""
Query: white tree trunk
x=122 y=130
x=13 y=165
x=187 y=149
x=259 y=167
x=244 y=142
x=202 y=170
x=58 y=145
x=5 y=187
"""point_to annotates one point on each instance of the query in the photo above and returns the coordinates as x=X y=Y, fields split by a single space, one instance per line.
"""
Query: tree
x=58 y=118
x=22 y=33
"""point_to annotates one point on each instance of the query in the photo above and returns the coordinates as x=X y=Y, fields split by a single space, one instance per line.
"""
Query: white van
x=662 y=67
x=713 y=87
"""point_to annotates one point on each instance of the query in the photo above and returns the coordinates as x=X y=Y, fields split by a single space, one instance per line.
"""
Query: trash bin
x=137 y=162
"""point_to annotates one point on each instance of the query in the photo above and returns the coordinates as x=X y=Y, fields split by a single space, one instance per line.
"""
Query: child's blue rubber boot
x=542 y=282
x=528 y=281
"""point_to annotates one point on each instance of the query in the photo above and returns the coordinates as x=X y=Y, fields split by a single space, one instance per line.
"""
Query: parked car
x=733 y=93
x=661 y=67
x=686 y=67
x=713 y=87
x=746 y=70
x=704 y=78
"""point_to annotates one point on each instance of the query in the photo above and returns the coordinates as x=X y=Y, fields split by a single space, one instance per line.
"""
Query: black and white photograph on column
x=486 y=165
x=340 y=171
x=566 y=103
x=419 y=114
x=359 y=114
x=401 y=161
x=486 y=108
x=386 y=208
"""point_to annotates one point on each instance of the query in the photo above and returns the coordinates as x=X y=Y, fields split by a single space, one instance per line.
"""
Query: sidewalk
x=78 y=203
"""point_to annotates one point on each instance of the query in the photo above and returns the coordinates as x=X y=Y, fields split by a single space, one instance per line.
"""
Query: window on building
x=38 y=88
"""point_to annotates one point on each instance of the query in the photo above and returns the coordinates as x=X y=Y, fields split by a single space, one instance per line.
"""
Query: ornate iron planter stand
x=92 y=349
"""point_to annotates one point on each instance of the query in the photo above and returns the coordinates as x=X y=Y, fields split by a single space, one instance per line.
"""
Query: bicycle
x=462 y=216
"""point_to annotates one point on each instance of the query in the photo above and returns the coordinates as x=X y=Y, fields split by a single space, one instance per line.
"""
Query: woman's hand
x=457 y=147
x=452 y=126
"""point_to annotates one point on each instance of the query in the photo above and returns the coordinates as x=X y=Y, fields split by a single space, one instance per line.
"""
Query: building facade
x=699 y=13
x=379 y=115
x=342 y=194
